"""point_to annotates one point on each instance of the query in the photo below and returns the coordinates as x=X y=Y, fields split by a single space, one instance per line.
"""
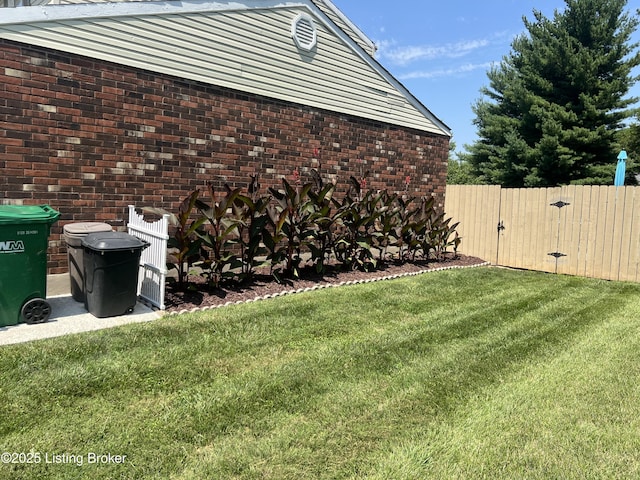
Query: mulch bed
x=263 y=285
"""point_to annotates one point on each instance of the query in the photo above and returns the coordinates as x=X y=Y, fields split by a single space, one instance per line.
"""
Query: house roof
x=243 y=44
x=347 y=25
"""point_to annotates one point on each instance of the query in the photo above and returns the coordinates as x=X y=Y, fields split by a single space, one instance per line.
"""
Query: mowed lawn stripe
x=381 y=380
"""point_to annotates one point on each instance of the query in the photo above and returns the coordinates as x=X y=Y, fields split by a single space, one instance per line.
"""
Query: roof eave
x=361 y=35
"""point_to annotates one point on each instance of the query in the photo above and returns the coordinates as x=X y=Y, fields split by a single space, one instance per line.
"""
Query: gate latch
x=500 y=226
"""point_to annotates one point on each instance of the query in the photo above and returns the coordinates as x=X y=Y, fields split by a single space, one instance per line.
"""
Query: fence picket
x=616 y=237
x=630 y=243
x=581 y=237
x=570 y=229
x=550 y=235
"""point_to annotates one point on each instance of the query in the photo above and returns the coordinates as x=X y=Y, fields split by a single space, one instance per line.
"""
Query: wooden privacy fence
x=591 y=231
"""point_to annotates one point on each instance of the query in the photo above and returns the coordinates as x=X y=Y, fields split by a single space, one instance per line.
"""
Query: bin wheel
x=36 y=310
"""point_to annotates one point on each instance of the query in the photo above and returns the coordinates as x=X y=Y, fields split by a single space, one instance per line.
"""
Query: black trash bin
x=111 y=261
x=74 y=233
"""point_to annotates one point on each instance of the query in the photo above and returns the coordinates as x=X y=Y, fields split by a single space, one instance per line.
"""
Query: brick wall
x=89 y=138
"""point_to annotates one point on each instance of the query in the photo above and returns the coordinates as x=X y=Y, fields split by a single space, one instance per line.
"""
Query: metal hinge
x=556 y=254
x=559 y=204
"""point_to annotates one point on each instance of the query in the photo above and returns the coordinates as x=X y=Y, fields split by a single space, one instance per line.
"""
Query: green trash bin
x=24 y=238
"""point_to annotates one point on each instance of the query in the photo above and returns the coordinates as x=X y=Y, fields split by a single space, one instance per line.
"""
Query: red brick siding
x=90 y=137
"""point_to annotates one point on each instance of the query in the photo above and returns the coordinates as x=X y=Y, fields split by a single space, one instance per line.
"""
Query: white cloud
x=446 y=72
x=403 y=55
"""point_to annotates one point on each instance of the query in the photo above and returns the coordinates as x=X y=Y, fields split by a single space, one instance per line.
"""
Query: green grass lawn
x=478 y=373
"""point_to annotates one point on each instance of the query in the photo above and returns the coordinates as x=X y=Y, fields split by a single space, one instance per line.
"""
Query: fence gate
x=528 y=229
x=591 y=231
x=153 y=261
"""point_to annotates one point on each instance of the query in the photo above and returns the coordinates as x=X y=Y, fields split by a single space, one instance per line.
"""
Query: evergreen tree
x=554 y=105
x=460 y=172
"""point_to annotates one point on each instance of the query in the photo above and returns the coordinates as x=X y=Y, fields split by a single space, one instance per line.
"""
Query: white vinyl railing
x=153 y=261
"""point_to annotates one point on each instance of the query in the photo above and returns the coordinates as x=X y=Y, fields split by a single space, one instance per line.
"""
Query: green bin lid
x=12 y=214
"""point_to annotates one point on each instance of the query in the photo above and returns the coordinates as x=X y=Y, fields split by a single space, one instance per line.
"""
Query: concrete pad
x=69 y=316
x=58 y=284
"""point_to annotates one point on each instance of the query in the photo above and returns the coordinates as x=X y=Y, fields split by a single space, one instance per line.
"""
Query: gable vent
x=303 y=31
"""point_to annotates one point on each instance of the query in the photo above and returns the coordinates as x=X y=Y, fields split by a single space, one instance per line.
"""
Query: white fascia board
x=351 y=25
x=77 y=11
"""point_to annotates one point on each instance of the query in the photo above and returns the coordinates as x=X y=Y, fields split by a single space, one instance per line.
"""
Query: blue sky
x=441 y=51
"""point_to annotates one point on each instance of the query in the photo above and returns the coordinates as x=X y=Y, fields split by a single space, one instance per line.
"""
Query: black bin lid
x=113 y=242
